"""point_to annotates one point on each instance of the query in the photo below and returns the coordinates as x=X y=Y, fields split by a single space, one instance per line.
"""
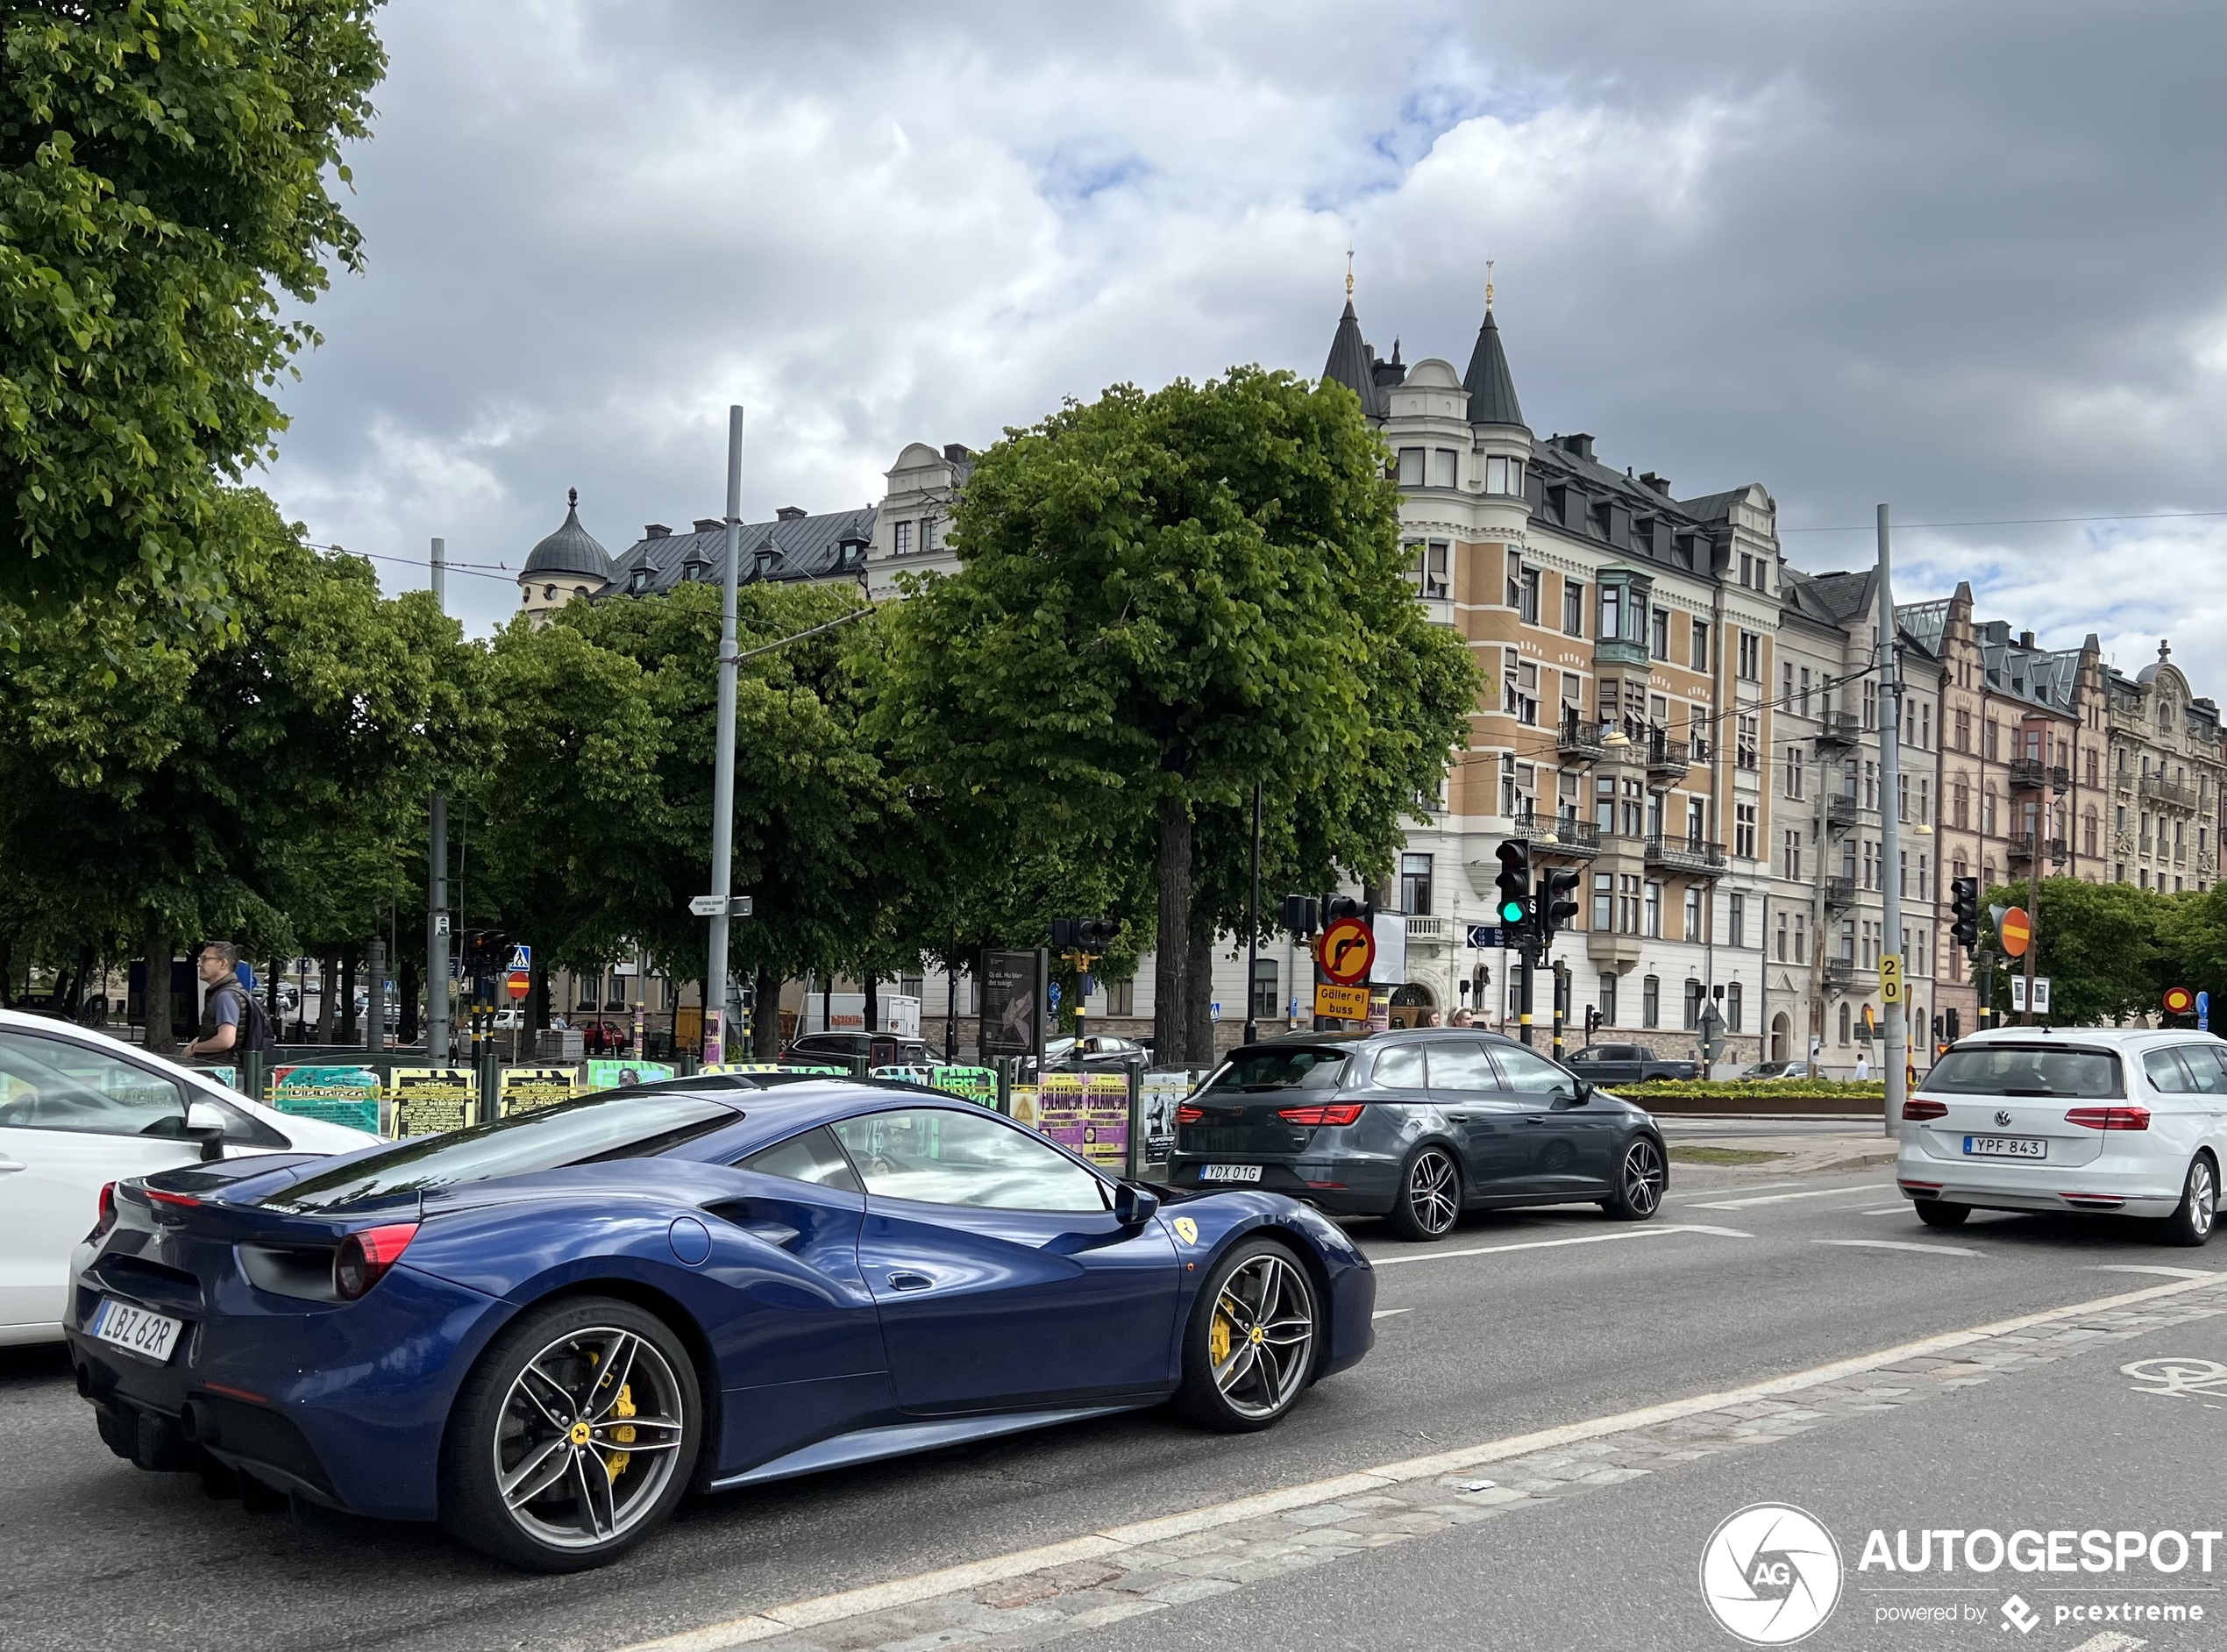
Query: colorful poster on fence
x=424 y=1100
x=1157 y=1102
x=1087 y=1113
x=526 y=1088
x=977 y=1084
x=616 y=1075
x=339 y=1095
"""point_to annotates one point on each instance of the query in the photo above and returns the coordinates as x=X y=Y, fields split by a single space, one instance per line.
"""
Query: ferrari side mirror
x=1133 y=1206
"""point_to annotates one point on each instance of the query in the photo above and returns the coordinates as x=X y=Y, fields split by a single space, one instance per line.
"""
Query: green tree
x=2097 y=943
x=164 y=198
x=1163 y=598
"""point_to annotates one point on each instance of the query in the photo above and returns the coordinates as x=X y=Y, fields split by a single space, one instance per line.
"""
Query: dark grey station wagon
x=1417 y=1126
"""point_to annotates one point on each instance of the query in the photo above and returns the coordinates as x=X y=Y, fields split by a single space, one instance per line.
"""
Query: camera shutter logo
x=1771 y=1574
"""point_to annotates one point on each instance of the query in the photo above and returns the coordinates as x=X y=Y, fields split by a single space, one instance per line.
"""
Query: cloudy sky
x=1967 y=259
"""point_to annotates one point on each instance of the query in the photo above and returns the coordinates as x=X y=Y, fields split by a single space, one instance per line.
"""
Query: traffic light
x=1557 y=904
x=1592 y=1022
x=1301 y=915
x=1514 y=882
x=1092 y=935
x=1964 y=911
x=1952 y=1025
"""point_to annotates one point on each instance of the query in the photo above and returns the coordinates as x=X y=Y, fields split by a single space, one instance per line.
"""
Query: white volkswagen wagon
x=2075 y=1118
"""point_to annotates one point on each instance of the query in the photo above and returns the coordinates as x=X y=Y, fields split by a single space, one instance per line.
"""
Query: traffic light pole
x=722 y=785
x=436 y=882
x=1524 y=1001
x=1891 y=726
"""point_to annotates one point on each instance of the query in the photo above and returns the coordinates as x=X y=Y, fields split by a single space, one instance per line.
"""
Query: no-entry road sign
x=2017 y=932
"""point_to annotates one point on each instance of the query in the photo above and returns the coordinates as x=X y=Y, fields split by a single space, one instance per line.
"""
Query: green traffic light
x=1511 y=911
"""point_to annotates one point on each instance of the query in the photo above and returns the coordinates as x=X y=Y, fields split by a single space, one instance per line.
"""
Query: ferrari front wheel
x=1249 y=1350
x=573 y=1437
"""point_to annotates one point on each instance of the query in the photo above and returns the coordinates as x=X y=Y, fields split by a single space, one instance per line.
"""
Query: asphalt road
x=1526 y=1331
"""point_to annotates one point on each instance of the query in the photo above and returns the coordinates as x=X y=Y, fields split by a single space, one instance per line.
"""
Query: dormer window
x=900 y=538
x=1503 y=476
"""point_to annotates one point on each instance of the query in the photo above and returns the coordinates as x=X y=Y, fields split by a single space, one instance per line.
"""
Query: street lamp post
x=723 y=792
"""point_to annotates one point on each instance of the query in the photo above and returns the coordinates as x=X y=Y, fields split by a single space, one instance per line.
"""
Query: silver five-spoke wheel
x=587 y=1436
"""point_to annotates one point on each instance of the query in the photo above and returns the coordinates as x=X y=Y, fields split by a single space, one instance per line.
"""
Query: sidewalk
x=1840 y=1144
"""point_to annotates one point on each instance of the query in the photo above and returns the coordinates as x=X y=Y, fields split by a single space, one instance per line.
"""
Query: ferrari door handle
x=909 y=1282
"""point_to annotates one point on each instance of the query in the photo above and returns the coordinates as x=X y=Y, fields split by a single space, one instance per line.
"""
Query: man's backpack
x=254 y=1029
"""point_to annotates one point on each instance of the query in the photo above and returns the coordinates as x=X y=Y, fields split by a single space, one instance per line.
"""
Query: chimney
x=1580 y=445
x=655 y=530
x=2025 y=639
x=1660 y=484
x=957 y=452
x=792 y=513
x=709 y=525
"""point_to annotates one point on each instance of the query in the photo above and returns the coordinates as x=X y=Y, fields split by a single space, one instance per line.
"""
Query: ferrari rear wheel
x=1249 y=1351
x=573 y=1437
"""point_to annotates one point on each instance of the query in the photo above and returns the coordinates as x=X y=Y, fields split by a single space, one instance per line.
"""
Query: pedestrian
x=233 y=1023
x=1863 y=1066
x=1429 y=1018
x=1462 y=1018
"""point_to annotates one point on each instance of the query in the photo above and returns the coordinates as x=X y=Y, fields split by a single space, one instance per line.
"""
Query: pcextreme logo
x=1771 y=1574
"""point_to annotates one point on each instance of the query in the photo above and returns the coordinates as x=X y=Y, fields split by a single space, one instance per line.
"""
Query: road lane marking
x=1549 y=1244
x=1780 y=1199
x=853 y=1603
x=1897 y=1244
x=1385 y=1313
x=2170 y=1273
x=1889 y=1210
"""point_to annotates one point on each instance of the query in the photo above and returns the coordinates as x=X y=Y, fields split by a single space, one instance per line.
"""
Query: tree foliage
x=166 y=174
x=2112 y=949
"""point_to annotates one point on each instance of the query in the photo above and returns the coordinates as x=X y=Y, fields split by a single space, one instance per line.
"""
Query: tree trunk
x=950 y=1012
x=155 y=1002
x=406 y=984
x=350 y=1032
x=328 y=995
x=538 y=998
x=1171 y=957
x=766 y=1014
x=873 y=1004
x=1198 y=1047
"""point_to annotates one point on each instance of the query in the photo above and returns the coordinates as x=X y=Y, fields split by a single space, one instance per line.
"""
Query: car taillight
x=107 y=1219
x=1915 y=1109
x=1190 y=1115
x=2110 y=1118
x=364 y=1257
x=1328 y=1113
x=156 y=1196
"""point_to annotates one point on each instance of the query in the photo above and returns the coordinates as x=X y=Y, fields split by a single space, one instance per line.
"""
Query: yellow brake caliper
x=1218 y=1340
x=624 y=1435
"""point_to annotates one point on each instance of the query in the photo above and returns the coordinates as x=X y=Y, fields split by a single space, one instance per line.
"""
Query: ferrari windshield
x=2028 y=1070
x=615 y=1124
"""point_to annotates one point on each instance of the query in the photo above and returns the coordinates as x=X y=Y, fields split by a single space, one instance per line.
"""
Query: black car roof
x=1370 y=1040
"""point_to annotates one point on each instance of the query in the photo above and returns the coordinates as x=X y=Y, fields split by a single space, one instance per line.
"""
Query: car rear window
x=615 y=1124
x=1281 y=1070
x=2032 y=1070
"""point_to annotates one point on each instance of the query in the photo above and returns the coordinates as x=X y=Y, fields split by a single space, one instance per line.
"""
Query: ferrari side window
x=943 y=1156
x=812 y=1157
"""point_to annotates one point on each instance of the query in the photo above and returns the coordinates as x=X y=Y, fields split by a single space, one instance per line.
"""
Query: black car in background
x=1628 y=1064
x=1417 y=1126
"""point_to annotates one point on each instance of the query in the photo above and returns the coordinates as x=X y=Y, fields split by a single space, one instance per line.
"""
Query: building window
x=1991 y=740
x=1744 y=830
x=1650 y=1000
x=1608 y=999
x=1603 y=900
x=1428 y=573
x=1520 y=695
x=1573 y=607
x=1793 y=771
x=1693 y=914
x=1701 y=645
x=1790 y=851
x=1659 y=634
x=1266 y=1005
x=1444 y=472
x=1694 y=997
x=1963 y=730
x=1415 y=885
x=1627 y=903
x=1802 y=694
x=1748 y=754
x=927 y=535
x=1781 y=953
x=1120 y=998
x=1612 y=619
x=1750 y=657
x=1531 y=596
x=1652 y=921
x=1736 y=919
x=900 y=538
x=1733 y=1007
x=1801 y=938
x=1503 y=476
x=1696 y=821
x=1411 y=468
x=1844 y=1022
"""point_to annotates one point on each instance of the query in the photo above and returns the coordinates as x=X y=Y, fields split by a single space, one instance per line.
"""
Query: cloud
x=1965 y=259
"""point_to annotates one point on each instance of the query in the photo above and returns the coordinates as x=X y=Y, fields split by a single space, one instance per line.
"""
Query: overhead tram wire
x=2018 y=521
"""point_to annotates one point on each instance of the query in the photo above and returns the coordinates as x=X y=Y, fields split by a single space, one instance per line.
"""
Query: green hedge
x=1759 y=1089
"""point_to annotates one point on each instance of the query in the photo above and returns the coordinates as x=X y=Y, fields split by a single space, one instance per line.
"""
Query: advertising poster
x=1087 y=1113
x=339 y=1095
x=526 y=1088
x=1010 y=1008
x=977 y=1084
x=426 y=1099
x=616 y=1075
x=1157 y=1097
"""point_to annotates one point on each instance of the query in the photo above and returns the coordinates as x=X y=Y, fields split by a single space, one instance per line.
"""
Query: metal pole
x=375 y=998
x=436 y=881
x=2033 y=898
x=1524 y=1010
x=1890 y=729
x=723 y=786
x=1253 y=930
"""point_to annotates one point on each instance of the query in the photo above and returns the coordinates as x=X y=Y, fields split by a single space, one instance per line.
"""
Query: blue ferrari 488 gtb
x=544 y=1331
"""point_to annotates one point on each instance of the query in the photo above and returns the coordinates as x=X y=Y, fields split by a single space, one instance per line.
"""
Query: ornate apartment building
x=2165 y=767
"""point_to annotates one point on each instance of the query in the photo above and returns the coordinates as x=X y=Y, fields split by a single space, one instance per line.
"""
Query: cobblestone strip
x=1127 y=1571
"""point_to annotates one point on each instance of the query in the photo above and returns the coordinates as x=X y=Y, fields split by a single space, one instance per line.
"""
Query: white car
x=2078 y=1118
x=79 y=1109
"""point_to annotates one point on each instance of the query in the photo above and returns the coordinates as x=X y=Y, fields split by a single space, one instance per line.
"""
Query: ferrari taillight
x=1327 y=1113
x=107 y=1218
x=364 y=1257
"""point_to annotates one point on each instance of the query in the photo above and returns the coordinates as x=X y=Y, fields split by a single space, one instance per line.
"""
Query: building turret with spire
x=564 y=568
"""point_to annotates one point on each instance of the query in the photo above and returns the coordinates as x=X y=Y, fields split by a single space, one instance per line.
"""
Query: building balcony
x=1618 y=952
x=2172 y=794
x=1843 y=975
x=1840 y=814
x=1667 y=758
x=1429 y=932
x=2028 y=775
x=1580 y=738
x=1839 y=892
x=1686 y=854
x=1615 y=651
x=2021 y=851
x=1837 y=729
x=1556 y=835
